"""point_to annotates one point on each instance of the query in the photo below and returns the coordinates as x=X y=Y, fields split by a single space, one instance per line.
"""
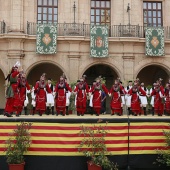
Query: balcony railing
x=64 y=29
x=74 y=29
x=2 y=27
x=127 y=31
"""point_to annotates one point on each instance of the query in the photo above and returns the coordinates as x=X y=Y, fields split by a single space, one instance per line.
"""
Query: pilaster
x=16 y=16
x=128 y=65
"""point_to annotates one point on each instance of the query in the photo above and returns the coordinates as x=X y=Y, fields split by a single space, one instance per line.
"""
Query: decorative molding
x=128 y=57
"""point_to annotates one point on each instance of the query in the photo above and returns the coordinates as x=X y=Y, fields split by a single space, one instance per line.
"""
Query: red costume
x=12 y=92
x=116 y=101
x=135 y=101
x=23 y=87
x=158 y=94
x=96 y=92
x=60 y=90
x=81 y=89
x=40 y=89
x=167 y=101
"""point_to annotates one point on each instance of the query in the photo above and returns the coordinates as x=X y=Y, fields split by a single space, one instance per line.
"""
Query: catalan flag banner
x=146 y=137
x=46 y=38
x=62 y=139
x=99 y=41
x=154 y=45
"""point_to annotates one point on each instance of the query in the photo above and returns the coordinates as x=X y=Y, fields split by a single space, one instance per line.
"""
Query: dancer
x=60 y=89
x=135 y=100
x=24 y=88
x=41 y=87
x=50 y=98
x=96 y=91
x=81 y=91
x=115 y=93
x=12 y=90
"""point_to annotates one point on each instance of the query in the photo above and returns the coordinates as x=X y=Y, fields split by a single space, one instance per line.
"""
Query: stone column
x=15 y=51
x=128 y=65
x=74 y=56
x=16 y=16
x=74 y=67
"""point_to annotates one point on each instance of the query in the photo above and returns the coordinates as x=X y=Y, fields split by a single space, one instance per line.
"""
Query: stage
x=132 y=140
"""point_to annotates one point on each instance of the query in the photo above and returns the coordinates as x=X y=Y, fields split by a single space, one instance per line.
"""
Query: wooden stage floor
x=86 y=116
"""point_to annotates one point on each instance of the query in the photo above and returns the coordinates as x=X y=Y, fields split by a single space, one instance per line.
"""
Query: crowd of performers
x=46 y=97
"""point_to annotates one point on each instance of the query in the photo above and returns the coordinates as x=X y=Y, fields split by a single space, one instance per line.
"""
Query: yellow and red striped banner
x=62 y=139
x=146 y=137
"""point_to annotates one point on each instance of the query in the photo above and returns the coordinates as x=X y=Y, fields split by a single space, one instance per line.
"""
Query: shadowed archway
x=52 y=71
x=101 y=70
x=105 y=71
x=151 y=73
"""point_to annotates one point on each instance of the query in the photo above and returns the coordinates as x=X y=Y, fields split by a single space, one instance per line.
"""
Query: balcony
x=78 y=29
x=2 y=27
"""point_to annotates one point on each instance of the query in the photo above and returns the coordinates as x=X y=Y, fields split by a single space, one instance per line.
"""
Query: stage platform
x=132 y=140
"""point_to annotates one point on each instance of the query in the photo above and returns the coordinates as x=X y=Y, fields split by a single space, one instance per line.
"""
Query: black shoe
x=82 y=114
x=135 y=114
x=17 y=115
x=8 y=114
x=40 y=114
x=97 y=114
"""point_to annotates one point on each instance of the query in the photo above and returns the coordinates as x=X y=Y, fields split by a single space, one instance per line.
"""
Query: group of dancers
x=45 y=97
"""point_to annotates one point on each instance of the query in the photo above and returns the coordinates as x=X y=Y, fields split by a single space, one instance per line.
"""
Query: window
x=100 y=12
x=47 y=11
x=152 y=14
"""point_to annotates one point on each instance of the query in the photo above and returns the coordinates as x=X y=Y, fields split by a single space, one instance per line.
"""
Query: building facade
x=126 y=20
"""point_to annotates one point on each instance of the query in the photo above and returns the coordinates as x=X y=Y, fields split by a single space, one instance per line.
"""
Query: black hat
x=78 y=80
x=130 y=81
x=49 y=79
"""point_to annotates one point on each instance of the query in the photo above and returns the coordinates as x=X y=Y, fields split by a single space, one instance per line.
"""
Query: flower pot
x=16 y=166
x=93 y=166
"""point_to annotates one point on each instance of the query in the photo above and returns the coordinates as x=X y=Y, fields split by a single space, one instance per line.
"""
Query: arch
x=149 y=62
x=28 y=70
x=3 y=69
x=118 y=72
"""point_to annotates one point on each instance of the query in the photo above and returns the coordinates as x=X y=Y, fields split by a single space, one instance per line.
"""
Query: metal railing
x=77 y=29
x=2 y=27
x=127 y=31
x=64 y=29
x=73 y=29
